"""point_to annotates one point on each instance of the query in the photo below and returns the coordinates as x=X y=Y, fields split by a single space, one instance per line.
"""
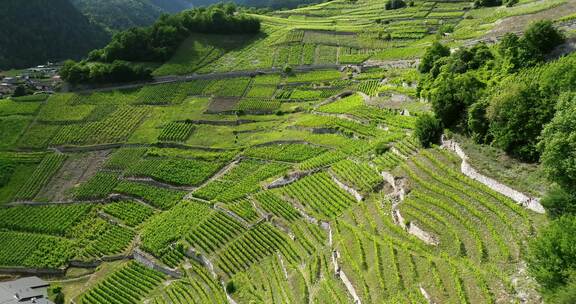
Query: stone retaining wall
x=522 y=199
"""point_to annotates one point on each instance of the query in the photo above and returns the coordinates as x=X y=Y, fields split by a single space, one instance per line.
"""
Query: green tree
x=433 y=53
x=557 y=144
x=428 y=130
x=543 y=36
x=451 y=94
x=552 y=254
x=558 y=201
x=478 y=122
x=517 y=113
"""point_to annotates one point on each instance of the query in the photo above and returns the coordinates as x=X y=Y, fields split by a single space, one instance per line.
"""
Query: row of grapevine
x=34 y=250
x=124 y=157
x=97 y=187
x=51 y=219
x=285 y=152
x=243 y=179
x=260 y=241
x=166 y=228
x=178 y=131
x=171 y=93
x=114 y=240
x=244 y=209
x=359 y=175
x=157 y=197
x=320 y=194
x=115 y=127
x=214 y=232
x=130 y=284
x=41 y=176
x=258 y=105
x=322 y=160
x=270 y=202
x=131 y=213
x=179 y=171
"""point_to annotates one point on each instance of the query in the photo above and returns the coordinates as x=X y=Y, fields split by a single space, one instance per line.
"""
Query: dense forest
x=510 y=97
x=119 y=14
x=156 y=43
x=44 y=30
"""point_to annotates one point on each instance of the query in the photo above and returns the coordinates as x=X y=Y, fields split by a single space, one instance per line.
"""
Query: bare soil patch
x=222 y=104
x=78 y=168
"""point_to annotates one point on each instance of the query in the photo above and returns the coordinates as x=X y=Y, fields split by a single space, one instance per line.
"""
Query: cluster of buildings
x=43 y=78
x=30 y=290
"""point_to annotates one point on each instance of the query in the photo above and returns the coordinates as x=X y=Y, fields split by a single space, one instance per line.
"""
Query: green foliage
x=516 y=116
x=158 y=197
x=131 y=213
x=558 y=143
x=543 y=36
x=559 y=201
x=477 y=121
x=43 y=219
x=167 y=227
x=41 y=176
x=160 y=40
x=428 y=130
x=452 y=94
x=43 y=31
x=34 y=250
x=552 y=255
x=133 y=281
x=285 y=152
x=178 y=171
x=433 y=53
x=97 y=187
x=96 y=72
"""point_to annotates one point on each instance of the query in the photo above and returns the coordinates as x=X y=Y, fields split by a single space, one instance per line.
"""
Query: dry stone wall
x=522 y=199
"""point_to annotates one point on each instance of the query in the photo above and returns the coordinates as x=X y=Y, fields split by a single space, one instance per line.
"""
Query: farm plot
x=167 y=227
x=34 y=250
x=53 y=219
x=258 y=105
x=114 y=128
x=222 y=105
x=155 y=196
x=232 y=87
x=58 y=108
x=130 y=284
x=358 y=175
x=41 y=176
x=285 y=152
x=10 y=107
x=130 y=213
x=257 y=243
x=214 y=232
x=174 y=170
x=97 y=187
x=319 y=194
x=112 y=240
x=177 y=131
x=244 y=178
x=172 y=93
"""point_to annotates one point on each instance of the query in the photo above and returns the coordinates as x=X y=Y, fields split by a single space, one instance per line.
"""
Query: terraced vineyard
x=283 y=170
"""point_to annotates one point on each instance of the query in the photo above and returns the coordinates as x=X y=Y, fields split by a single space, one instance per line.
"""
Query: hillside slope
x=119 y=14
x=44 y=30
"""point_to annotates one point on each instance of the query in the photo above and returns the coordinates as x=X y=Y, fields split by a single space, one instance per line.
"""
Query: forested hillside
x=119 y=14
x=44 y=30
